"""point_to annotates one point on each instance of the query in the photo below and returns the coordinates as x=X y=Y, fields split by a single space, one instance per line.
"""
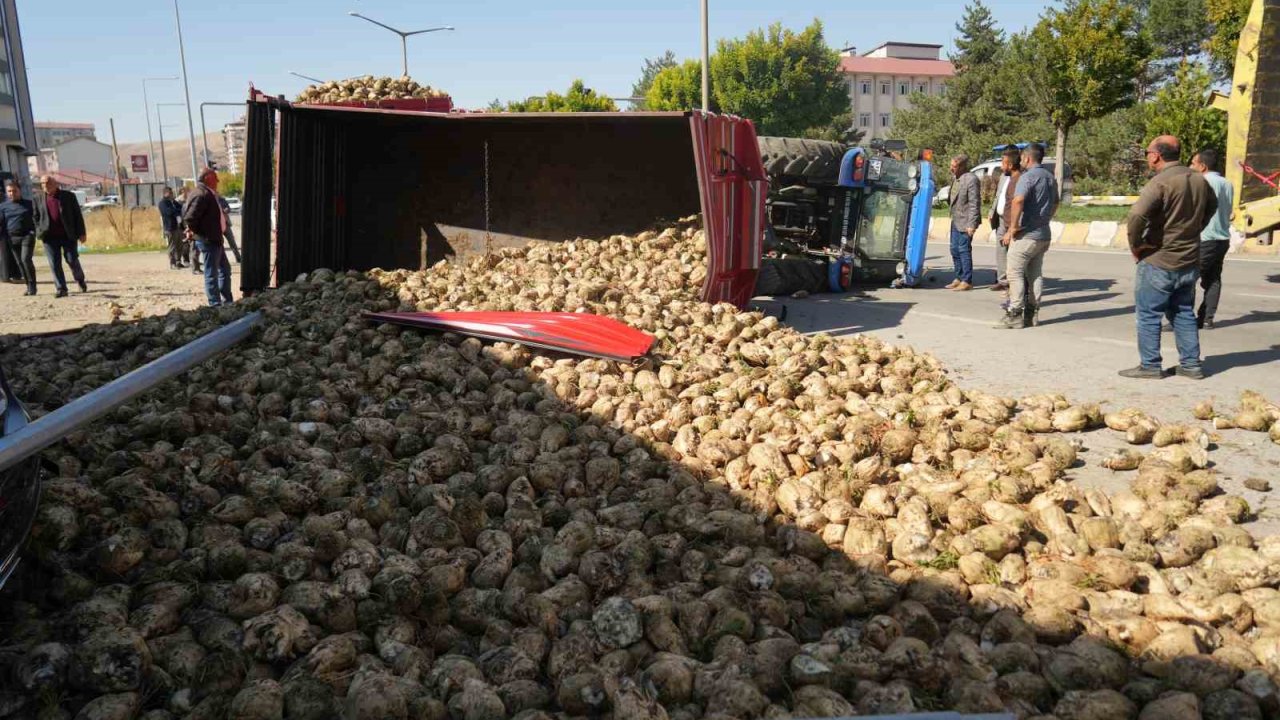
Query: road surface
x=1086 y=335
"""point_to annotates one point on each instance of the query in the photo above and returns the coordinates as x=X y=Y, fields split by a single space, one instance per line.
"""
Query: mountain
x=177 y=153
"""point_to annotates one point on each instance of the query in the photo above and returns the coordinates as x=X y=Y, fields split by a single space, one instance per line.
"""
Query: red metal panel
x=732 y=182
x=574 y=333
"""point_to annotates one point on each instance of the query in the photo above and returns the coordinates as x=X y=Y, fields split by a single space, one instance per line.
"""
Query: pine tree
x=980 y=39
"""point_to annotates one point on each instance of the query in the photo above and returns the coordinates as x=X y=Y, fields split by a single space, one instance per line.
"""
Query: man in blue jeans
x=206 y=225
x=965 y=199
x=1164 y=229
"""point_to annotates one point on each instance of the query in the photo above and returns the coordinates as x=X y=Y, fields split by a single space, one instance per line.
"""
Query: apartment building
x=887 y=78
x=17 y=126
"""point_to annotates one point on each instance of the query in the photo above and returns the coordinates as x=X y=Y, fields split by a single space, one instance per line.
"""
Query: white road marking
x=1258 y=295
x=1057 y=249
x=1110 y=341
x=955 y=318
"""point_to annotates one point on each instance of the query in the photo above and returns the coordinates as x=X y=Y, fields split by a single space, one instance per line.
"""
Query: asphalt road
x=1086 y=335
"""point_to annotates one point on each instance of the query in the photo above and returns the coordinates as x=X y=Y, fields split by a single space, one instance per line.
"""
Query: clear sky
x=86 y=59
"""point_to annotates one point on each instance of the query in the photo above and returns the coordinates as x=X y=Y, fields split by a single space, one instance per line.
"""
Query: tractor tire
x=784 y=276
x=817 y=161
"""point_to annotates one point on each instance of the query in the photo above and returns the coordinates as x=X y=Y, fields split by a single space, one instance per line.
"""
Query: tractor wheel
x=817 y=161
x=784 y=276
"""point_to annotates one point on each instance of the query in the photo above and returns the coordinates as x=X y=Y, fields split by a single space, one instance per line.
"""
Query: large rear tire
x=817 y=161
x=784 y=276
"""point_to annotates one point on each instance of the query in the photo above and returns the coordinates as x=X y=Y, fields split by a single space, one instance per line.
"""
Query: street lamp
x=186 y=89
x=164 y=164
x=146 y=109
x=305 y=77
x=706 y=61
x=404 y=37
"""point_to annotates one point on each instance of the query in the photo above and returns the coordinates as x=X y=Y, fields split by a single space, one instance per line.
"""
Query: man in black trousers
x=17 y=219
x=171 y=221
x=60 y=226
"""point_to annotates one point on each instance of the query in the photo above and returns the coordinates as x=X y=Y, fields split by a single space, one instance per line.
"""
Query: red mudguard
x=573 y=333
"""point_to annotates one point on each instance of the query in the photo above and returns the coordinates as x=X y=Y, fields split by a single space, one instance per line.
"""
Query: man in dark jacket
x=17 y=219
x=60 y=226
x=205 y=225
x=1164 y=236
x=171 y=221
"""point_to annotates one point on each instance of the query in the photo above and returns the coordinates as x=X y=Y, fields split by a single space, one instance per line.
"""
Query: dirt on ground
x=122 y=287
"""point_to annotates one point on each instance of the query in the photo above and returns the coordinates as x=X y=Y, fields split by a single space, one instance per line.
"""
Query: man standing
x=18 y=219
x=965 y=199
x=1011 y=169
x=229 y=234
x=1035 y=200
x=205 y=225
x=60 y=226
x=171 y=221
x=1164 y=229
x=1215 y=240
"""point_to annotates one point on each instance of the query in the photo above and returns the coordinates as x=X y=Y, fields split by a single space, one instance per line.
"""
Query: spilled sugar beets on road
x=342 y=519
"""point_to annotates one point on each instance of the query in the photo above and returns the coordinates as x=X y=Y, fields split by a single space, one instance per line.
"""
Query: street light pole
x=305 y=77
x=706 y=61
x=146 y=108
x=186 y=89
x=164 y=161
x=404 y=37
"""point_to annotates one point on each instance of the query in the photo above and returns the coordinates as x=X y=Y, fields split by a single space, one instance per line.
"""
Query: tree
x=1227 y=19
x=1180 y=109
x=677 y=88
x=785 y=82
x=1081 y=62
x=840 y=130
x=980 y=40
x=578 y=98
x=230 y=185
x=652 y=66
x=1177 y=28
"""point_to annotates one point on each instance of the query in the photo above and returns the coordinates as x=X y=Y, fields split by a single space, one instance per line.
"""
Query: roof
x=78 y=178
x=896 y=66
x=65 y=125
x=904 y=44
x=80 y=139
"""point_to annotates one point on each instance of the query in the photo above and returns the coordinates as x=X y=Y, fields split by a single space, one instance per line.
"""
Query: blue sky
x=86 y=58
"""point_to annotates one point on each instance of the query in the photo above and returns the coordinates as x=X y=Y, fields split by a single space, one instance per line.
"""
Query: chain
x=488 y=238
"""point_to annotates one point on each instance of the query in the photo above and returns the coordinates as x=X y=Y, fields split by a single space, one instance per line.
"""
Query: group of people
x=54 y=218
x=1178 y=233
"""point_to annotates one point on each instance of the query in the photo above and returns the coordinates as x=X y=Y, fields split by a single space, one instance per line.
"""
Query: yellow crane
x=1253 y=122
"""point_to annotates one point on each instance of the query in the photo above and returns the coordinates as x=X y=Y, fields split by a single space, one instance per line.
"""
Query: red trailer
x=360 y=187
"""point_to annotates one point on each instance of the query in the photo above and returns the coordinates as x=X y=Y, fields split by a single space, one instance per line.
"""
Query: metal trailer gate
x=361 y=188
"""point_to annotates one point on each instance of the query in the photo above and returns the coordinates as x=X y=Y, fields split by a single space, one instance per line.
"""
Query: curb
x=1096 y=234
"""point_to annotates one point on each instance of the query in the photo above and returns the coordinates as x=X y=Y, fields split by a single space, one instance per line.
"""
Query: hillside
x=177 y=153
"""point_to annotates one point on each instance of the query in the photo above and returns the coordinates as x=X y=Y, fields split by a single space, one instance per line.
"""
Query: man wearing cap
x=205 y=225
x=60 y=226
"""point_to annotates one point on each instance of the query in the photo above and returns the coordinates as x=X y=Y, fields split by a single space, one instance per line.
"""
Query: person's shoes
x=1207 y=324
x=951 y=285
x=1000 y=287
x=1189 y=373
x=84 y=287
x=1143 y=373
x=30 y=291
x=196 y=271
x=61 y=293
x=1013 y=320
x=962 y=287
x=1031 y=315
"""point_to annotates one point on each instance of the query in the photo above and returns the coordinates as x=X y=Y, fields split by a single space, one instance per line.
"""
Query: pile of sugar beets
x=339 y=519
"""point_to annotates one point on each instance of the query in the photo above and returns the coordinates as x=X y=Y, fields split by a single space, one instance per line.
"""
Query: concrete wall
x=872 y=105
x=1101 y=235
x=85 y=155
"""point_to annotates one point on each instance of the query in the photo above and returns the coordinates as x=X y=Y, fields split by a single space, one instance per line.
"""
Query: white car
x=234 y=204
x=991 y=168
x=98 y=204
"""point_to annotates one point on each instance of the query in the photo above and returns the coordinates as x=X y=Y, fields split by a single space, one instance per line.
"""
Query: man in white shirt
x=1011 y=167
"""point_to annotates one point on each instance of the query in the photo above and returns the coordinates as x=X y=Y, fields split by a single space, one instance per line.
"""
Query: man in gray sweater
x=965 y=199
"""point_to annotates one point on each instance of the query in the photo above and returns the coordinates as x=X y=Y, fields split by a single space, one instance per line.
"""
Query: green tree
x=840 y=129
x=652 y=66
x=677 y=88
x=578 y=98
x=980 y=41
x=230 y=185
x=1227 y=19
x=1177 y=28
x=1180 y=109
x=1081 y=62
x=786 y=82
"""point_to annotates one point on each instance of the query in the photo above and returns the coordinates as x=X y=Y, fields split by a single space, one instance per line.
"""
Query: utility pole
x=706 y=61
x=186 y=89
x=146 y=108
x=160 y=122
x=404 y=37
x=115 y=155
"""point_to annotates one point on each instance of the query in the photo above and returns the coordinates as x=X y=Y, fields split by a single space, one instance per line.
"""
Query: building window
x=942 y=90
x=922 y=88
x=904 y=89
x=864 y=120
x=866 y=87
x=885 y=88
x=884 y=120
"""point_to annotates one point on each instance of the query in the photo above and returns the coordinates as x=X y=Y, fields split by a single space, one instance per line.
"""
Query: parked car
x=99 y=203
x=234 y=204
x=991 y=168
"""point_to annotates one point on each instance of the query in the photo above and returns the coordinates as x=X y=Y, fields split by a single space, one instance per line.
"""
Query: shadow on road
x=1245 y=358
x=1255 y=316
x=835 y=314
x=1088 y=315
x=1097 y=297
x=1056 y=286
